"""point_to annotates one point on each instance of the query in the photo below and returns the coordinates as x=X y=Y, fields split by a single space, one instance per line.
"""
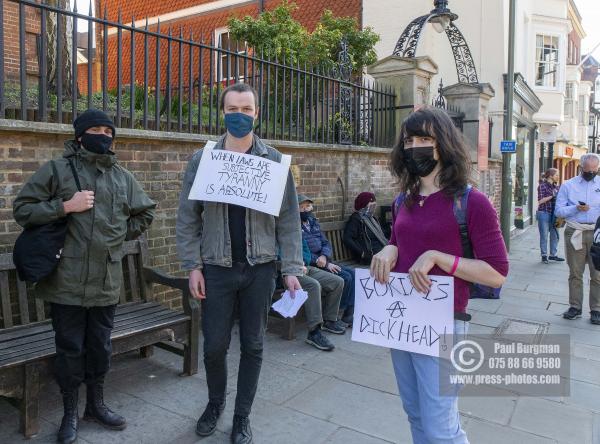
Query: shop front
x=524 y=173
x=567 y=159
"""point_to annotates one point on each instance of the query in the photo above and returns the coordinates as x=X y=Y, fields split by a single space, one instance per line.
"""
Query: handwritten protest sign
x=395 y=315
x=241 y=179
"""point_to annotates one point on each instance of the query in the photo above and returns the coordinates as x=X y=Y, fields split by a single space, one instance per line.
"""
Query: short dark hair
x=455 y=160
x=240 y=88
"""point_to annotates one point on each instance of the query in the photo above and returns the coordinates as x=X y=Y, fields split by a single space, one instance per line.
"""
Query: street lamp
x=441 y=17
x=442 y=20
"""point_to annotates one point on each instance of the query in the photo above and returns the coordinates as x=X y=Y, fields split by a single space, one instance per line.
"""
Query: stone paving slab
x=565 y=423
x=488 y=433
x=365 y=410
x=497 y=409
x=375 y=373
x=348 y=436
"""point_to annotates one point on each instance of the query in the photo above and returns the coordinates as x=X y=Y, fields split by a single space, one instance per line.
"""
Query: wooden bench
x=334 y=231
x=27 y=340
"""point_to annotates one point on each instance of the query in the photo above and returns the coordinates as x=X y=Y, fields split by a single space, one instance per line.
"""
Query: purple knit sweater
x=434 y=227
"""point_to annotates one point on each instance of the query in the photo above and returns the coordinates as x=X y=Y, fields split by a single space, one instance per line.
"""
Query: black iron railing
x=150 y=77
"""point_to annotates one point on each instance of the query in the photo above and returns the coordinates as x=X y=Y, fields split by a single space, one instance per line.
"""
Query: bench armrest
x=190 y=305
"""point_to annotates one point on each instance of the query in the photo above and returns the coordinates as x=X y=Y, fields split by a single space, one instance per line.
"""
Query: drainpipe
x=506 y=200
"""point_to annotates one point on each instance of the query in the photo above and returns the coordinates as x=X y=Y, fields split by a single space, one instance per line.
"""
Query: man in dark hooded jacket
x=84 y=289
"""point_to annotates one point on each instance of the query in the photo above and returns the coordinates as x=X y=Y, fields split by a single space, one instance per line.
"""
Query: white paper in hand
x=288 y=307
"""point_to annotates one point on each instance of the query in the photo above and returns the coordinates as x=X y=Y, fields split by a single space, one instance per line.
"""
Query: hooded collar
x=102 y=161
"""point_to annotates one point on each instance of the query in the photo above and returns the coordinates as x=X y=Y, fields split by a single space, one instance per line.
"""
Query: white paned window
x=546 y=60
x=229 y=65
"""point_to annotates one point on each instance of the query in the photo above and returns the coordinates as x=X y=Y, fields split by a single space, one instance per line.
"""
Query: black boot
x=67 y=433
x=95 y=410
x=207 y=423
x=241 y=433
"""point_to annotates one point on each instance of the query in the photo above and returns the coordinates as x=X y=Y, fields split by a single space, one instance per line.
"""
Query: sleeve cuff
x=60 y=208
x=190 y=265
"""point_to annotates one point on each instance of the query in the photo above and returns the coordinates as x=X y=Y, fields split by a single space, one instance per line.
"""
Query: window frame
x=556 y=86
x=220 y=59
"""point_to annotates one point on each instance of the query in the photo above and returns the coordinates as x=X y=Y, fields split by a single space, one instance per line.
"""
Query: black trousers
x=252 y=288
x=83 y=347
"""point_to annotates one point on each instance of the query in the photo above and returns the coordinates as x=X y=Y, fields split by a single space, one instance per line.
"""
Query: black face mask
x=419 y=161
x=96 y=143
x=589 y=175
x=304 y=216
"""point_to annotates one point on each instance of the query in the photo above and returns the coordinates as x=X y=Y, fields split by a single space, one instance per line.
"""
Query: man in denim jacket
x=230 y=252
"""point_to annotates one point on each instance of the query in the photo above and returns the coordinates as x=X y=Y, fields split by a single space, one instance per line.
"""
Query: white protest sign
x=395 y=315
x=241 y=179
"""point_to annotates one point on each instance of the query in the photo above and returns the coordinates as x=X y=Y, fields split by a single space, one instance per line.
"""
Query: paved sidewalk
x=349 y=396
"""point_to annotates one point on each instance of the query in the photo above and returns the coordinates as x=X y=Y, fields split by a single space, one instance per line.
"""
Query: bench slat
x=6 y=262
x=29 y=330
x=133 y=277
x=147 y=312
x=123 y=295
x=22 y=352
x=121 y=321
x=25 y=340
x=47 y=348
x=40 y=310
x=5 y=296
x=23 y=302
x=131 y=247
x=135 y=323
x=156 y=323
x=119 y=331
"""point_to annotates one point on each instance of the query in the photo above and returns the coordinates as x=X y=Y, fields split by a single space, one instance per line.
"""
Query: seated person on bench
x=319 y=283
x=321 y=255
x=363 y=235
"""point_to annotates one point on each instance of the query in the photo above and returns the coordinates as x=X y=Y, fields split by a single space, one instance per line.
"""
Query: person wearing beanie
x=104 y=206
x=363 y=235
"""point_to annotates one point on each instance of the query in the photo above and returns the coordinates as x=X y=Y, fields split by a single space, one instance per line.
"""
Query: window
x=569 y=111
x=227 y=68
x=546 y=61
x=583 y=111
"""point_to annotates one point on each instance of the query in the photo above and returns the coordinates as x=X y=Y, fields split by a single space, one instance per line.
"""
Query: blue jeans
x=434 y=419
x=546 y=225
x=347 y=274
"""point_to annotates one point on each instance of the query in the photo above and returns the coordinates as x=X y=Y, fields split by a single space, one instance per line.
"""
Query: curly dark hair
x=454 y=157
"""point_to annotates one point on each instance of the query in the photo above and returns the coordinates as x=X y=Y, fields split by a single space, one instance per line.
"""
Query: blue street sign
x=508 y=146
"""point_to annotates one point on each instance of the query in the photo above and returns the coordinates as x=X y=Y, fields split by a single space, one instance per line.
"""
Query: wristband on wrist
x=455 y=265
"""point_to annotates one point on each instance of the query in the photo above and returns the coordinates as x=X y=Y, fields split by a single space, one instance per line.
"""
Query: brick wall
x=331 y=175
x=11 y=40
x=490 y=182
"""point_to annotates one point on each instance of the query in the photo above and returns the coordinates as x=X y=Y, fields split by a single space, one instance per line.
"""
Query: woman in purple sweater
x=432 y=165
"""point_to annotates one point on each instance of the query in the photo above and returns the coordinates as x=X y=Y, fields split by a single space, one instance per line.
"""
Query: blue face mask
x=239 y=124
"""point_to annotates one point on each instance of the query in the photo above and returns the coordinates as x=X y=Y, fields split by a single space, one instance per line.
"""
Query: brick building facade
x=203 y=20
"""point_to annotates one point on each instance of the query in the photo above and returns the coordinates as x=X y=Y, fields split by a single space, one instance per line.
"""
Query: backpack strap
x=460 y=213
x=74 y=171
x=398 y=202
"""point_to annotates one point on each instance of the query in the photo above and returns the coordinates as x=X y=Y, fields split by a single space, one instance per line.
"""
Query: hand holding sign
x=395 y=314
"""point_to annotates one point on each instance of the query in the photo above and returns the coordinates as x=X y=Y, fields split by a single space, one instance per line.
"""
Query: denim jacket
x=203 y=227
